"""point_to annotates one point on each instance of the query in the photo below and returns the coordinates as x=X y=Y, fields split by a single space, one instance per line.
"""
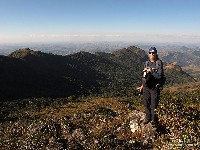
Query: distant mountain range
x=187 y=58
x=29 y=73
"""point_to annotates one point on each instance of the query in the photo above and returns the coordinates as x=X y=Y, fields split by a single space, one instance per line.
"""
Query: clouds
x=76 y=36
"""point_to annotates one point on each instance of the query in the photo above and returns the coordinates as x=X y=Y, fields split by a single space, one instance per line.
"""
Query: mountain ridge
x=29 y=73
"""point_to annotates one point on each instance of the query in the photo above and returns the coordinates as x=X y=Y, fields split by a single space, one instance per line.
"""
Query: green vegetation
x=179 y=114
x=86 y=101
x=26 y=73
x=101 y=123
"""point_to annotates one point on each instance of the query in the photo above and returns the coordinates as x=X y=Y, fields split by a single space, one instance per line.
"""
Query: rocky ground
x=102 y=123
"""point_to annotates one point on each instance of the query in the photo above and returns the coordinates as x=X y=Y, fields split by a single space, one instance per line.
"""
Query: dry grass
x=101 y=123
x=194 y=71
x=188 y=87
x=170 y=66
x=88 y=105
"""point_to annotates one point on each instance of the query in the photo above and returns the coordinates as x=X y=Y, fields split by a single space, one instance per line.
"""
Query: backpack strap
x=146 y=64
x=157 y=64
x=161 y=81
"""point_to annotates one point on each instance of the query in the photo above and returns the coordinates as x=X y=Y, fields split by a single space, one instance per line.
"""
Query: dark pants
x=150 y=100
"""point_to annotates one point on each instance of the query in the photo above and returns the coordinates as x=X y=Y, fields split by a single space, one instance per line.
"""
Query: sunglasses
x=152 y=53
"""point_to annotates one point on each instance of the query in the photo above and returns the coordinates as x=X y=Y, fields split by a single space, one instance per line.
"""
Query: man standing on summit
x=152 y=74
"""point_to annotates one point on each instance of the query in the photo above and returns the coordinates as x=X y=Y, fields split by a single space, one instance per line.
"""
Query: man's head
x=152 y=53
x=153 y=50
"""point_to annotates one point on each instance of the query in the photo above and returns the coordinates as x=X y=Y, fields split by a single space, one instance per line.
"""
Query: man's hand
x=147 y=69
x=140 y=88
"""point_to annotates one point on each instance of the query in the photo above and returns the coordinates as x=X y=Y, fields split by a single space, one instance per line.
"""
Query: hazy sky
x=68 y=20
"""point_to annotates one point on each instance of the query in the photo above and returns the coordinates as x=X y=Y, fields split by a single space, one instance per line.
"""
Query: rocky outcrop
x=144 y=132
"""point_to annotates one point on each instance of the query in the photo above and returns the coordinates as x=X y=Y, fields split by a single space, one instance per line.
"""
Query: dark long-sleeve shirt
x=157 y=68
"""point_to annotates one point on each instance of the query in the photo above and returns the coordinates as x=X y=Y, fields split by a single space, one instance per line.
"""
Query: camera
x=145 y=74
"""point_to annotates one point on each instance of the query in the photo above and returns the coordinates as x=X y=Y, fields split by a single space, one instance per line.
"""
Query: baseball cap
x=153 y=49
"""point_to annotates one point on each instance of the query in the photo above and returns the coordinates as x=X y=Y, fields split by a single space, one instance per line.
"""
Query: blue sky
x=66 y=20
